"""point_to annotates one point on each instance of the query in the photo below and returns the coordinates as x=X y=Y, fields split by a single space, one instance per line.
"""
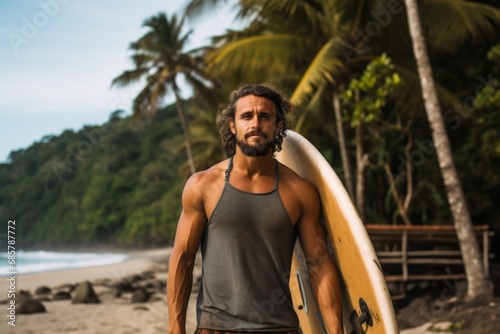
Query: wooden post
x=404 y=248
x=486 y=252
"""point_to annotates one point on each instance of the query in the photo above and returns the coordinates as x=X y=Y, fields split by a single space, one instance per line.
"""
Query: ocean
x=28 y=262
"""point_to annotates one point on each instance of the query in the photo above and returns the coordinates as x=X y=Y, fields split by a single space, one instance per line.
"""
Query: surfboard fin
x=358 y=320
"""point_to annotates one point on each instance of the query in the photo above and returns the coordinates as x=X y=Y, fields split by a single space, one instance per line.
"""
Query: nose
x=256 y=122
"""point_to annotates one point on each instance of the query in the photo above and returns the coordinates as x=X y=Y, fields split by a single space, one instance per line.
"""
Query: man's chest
x=252 y=201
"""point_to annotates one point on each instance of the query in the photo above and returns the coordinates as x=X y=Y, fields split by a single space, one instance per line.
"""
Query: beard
x=254 y=150
x=259 y=150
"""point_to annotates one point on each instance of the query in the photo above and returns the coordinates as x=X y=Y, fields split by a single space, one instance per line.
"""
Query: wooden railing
x=416 y=248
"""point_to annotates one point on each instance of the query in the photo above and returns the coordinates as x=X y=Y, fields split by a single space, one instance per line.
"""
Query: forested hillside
x=119 y=182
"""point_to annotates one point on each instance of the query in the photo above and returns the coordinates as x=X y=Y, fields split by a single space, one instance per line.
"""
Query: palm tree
x=159 y=59
x=478 y=283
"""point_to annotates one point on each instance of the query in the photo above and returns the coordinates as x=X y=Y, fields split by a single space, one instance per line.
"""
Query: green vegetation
x=116 y=183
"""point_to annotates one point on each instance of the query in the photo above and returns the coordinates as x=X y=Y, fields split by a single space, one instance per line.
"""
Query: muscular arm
x=187 y=240
x=324 y=277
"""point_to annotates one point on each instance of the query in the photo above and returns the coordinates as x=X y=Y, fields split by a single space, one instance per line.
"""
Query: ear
x=232 y=127
x=279 y=126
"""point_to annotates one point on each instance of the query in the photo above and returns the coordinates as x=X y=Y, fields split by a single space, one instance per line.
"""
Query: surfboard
x=367 y=305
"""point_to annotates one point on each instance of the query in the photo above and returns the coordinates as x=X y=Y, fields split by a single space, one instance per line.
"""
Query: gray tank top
x=247 y=252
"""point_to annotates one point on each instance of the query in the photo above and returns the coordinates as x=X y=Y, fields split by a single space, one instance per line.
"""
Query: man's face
x=255 y=125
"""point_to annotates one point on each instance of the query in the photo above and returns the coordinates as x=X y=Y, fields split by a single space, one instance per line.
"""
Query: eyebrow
x=265 y=111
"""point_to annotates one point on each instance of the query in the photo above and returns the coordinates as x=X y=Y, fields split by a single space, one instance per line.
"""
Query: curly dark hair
x=283 y=107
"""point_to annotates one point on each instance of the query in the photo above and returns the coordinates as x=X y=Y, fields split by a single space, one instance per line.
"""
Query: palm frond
x=352 y=16
x=282 y=16
x=312 y=105
x=323 y=69
x=141 y=104
x=194 y=9
x=449 y=23
x=256 y=55
x=129 y=77
x=143 y=60
x=158 y=85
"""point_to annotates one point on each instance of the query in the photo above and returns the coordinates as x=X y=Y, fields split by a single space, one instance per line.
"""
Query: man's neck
x=253 y=167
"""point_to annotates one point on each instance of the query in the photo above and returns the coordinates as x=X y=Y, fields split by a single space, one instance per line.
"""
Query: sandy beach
x=118 y=314
x=114 y=314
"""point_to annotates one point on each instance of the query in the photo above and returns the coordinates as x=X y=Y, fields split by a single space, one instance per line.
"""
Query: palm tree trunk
x=342 y=144
x=185 y=129
x=478 y=282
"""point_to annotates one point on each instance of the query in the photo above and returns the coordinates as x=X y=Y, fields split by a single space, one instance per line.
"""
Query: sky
x=58 y=58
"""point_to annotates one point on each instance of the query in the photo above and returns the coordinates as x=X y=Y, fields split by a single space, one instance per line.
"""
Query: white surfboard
x=367 y=305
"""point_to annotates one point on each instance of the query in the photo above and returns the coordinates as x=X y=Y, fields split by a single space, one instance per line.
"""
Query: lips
x=256 y=134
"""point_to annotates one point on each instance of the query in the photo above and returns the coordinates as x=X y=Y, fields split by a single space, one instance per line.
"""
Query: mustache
x=258 y=133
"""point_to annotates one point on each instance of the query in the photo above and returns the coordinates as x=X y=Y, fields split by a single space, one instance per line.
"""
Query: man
x=246 y=213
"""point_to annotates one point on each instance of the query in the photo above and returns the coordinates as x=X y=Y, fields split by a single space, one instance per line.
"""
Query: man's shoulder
x=201 y=184
x=297 y=191
x=209 y=175
x=291 y=178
